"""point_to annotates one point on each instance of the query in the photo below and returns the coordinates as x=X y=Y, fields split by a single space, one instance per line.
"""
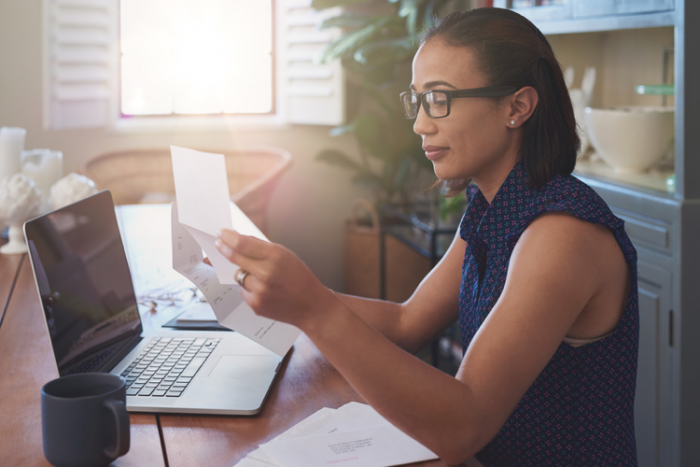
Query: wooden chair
x=146 y=176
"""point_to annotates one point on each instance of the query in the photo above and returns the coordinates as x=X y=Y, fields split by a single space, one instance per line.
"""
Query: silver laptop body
x=90 y=308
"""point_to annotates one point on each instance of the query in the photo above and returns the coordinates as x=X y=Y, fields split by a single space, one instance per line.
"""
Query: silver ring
x=240 y=277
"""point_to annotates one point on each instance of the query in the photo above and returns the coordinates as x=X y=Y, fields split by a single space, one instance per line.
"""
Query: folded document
x=202 y=208
x=354 y=435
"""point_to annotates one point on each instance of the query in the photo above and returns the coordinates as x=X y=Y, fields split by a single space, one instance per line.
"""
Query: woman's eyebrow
x=432 y=84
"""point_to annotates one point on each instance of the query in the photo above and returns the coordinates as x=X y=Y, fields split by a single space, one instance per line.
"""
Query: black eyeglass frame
x=489 y=91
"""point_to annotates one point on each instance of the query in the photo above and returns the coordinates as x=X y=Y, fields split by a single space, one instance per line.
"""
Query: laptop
x=92 y=317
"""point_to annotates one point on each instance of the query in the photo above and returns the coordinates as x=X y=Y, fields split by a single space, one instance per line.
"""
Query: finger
x=243 y=244
x=237 y=275
x=206 y=260
x=250 y=288
x=249 y=264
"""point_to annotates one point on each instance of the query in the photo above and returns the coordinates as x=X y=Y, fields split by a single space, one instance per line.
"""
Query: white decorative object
x=71 y=188
x=632 y=138
x=19 y=201
x=44 y=167
x=11 y=146
x=580 y=99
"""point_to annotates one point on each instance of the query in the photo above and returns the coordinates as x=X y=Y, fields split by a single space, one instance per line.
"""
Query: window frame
x=304 y=92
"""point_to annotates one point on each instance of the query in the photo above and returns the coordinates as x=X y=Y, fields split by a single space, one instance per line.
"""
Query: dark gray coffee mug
x=84 y=419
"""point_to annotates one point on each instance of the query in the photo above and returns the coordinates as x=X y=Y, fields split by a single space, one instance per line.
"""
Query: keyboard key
x=193 y=367
x=146 y=391
x=172 y=393
x=158 y=393
x=132 y=391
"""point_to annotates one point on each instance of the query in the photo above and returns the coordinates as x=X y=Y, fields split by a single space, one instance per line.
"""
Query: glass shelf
x=419 y=229
x=657 y=179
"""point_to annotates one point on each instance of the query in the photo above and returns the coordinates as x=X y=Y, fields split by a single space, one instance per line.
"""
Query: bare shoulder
x=561 y=230
x=577 y=254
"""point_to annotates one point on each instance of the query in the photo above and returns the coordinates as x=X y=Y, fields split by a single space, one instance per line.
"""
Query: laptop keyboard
x=166 y=366
x=93 y=363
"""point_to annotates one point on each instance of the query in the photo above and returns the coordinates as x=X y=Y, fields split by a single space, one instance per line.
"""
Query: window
x=196 y=57
x=83 y=87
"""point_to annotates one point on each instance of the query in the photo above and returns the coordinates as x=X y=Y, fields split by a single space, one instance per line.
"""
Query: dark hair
x=511 y=51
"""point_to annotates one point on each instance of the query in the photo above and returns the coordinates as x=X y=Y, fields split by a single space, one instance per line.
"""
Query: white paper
x=203 y=207
x=198 y=313
x=354 y=435
x=203 y=202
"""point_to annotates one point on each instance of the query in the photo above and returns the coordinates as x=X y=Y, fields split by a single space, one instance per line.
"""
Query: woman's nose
x=423 y=125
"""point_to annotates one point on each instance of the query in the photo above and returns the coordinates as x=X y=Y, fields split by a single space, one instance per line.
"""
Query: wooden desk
x=307 y=381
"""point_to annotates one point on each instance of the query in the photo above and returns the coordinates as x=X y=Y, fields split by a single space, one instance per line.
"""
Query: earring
x=512 y=122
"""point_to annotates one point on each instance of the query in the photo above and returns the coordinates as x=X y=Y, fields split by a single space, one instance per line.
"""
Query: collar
x=491 y=223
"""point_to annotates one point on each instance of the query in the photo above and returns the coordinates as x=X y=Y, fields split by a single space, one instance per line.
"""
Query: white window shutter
x=312 y=93
x=80 y=72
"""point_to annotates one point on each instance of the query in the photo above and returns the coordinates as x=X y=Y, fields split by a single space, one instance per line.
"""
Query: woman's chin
x=445 y=174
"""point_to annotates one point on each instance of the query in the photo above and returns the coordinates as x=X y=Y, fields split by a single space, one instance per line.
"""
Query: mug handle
x=121 y=417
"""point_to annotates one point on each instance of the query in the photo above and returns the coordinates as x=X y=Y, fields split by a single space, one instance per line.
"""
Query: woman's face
x=474 y=141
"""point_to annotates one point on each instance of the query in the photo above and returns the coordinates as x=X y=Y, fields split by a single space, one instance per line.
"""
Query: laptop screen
x=84 y=283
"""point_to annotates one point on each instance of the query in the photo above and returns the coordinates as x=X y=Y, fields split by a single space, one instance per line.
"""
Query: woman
x=541 y=275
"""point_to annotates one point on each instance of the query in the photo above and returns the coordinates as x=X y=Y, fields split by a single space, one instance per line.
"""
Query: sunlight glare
x=196 y=56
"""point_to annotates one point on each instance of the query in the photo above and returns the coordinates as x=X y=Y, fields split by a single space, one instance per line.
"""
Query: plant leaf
x=386 y=51
x=341 y=130
x=410 y=9
x=333 y=157
x=346 y=20
x=352 y=40
x=366 y=179
x=381 y=100
x=323 y=4
x=402 y=173
x=367 y=128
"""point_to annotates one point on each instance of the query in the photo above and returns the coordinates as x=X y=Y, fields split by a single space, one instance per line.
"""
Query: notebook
x=91 y=314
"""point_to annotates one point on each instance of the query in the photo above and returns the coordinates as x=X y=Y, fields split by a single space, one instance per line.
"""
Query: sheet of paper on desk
x=198 y=313
x=203 y=207
x=354 y=435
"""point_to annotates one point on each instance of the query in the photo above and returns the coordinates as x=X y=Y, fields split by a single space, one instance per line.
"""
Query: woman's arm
x=555 y=270
x=433 y=306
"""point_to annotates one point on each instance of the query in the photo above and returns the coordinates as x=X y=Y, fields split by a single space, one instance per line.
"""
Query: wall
x=308 y=208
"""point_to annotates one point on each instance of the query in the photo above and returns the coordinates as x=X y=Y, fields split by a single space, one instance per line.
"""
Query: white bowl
x=632 y=138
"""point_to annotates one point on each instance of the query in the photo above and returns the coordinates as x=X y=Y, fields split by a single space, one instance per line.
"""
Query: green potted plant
x=376 y=48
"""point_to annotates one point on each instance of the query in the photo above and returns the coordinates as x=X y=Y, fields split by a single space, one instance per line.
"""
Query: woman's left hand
x=279 y=285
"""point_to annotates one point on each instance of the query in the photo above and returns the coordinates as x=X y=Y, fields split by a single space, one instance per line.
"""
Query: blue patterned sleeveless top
x=579 y=410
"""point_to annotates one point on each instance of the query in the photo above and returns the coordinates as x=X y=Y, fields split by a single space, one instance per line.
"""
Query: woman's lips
x=434 y=152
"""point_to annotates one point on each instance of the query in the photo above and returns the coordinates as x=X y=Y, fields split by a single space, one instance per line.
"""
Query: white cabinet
x=651 y=407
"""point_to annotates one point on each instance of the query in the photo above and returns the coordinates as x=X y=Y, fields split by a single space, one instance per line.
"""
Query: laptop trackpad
x=251 y=367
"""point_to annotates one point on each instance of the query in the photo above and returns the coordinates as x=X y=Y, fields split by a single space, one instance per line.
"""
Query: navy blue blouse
x=579 y=410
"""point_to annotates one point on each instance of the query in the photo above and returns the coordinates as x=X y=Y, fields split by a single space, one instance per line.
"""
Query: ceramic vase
x=19 y=201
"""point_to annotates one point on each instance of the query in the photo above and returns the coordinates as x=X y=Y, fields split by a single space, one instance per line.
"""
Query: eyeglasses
x=437 y=103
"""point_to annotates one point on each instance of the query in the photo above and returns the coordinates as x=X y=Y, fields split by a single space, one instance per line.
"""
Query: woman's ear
x=522 y=104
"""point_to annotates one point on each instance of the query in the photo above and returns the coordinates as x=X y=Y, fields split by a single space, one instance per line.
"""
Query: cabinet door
x=652 y=408
x=584 y=8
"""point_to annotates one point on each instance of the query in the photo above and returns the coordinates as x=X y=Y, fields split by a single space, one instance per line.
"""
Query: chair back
x=146 y=176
